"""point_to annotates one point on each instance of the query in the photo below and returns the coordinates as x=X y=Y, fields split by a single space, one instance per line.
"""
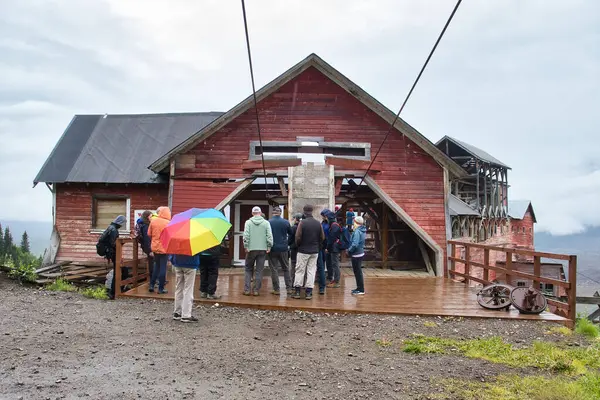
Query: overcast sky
x=519 y=79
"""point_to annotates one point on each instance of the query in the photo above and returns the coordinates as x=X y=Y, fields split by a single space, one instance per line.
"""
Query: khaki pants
x=184 y=290
x=306 y=264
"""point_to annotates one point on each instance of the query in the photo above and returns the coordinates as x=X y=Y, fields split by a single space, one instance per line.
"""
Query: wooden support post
x=477 y=195
x=572 y=292
x=486 y=262
x=282 y=186
x=338 y=185
x=452 y=265
x=117 y=269
x=509 y=266
x=136 y=260
x=537 y=271
x=426 y=258
x=467 y=263
x=384 y=236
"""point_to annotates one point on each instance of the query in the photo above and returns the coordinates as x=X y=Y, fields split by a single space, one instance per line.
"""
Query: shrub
x=98 y=293
x=61 y=285
x=587 y=328
x=23 y=272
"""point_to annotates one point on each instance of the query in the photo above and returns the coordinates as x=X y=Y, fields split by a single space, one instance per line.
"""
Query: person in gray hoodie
x=258 y=240
x=280 y=255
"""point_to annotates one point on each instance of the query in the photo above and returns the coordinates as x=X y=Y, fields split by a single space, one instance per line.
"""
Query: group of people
x=313 y=247
x=148 y=230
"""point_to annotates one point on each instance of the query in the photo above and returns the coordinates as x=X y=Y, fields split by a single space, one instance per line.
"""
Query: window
x=547 y=288
x=521 y=283
x=523 y=229
x=106 y=208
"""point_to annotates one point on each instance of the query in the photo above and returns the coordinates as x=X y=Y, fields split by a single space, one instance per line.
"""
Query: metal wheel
x=528 y=300
x=495 y=297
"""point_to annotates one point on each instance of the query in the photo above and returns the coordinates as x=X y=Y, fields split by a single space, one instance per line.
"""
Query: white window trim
x=238 y=231
x=127 y=230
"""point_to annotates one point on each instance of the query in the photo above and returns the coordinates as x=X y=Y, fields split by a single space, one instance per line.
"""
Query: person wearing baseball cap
x=258 y=240
x=357 y=252
x=280 y=253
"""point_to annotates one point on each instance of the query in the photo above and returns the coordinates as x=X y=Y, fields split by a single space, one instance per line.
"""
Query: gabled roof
x=117 y=148
x=459 y=207
x=474 y=151
x=518 y=208
x=312 y=61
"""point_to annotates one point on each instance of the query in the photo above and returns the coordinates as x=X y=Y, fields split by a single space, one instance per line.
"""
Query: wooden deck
x=394 y=292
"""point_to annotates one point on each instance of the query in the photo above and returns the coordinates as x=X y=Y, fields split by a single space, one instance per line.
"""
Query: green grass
x=542 y=355
x=383 y=342
x=514 y=387
x=61 y=285
x=98 y=293
x=587 y=328
x=430 y=324
x=559 y=330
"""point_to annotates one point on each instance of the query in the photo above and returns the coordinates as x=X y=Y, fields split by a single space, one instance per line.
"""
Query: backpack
x=345 y=239
x=102 y=244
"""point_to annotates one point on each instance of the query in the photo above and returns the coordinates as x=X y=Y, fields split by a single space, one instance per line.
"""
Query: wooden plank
x=52 y=267
x=537 y=269
x=338 y=185
x=385 y=239
x=509 y=267
x=588 y=300
x=467 y=261
x=486 y=263
x=278 y=163
x=572 y=291
x=353 y=164
x=425 y=255
x=282 y=186
x=470 y=278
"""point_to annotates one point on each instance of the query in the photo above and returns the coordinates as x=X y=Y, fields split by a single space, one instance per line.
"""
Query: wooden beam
x=572 y=291
x=234 y=194
x=251 y=165
x=425 y=255
x=385 y=236
x=338 y=185
x=282 y=186
x=352 y=164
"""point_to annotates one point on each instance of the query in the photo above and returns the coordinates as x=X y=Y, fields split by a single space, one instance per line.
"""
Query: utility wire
x=591 y=279
x=410 y=91
x=262 y=153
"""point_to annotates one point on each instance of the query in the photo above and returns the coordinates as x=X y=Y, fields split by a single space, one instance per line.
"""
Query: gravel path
x=64 y=346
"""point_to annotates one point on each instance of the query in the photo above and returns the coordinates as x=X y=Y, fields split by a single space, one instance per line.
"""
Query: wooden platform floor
x=402 y=295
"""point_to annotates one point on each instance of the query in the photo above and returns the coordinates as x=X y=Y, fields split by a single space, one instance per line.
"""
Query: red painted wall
x=313 y=105
x=74 y=214
x=199 y=194
x=518 y=237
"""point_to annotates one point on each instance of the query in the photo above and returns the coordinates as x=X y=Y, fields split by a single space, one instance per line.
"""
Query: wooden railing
x=137 y=267
x=565 y=307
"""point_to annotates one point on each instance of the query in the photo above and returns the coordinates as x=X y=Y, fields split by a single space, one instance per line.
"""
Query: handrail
x=566 y=309
x=134 y=264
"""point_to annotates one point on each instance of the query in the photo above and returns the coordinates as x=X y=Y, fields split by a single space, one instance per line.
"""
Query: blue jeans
x=321 y=270
x=160 y=271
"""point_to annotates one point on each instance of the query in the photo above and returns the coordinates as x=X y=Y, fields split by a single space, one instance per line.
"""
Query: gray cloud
x=518 y=79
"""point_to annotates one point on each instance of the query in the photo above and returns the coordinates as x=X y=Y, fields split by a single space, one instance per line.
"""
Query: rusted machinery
x=500 y=296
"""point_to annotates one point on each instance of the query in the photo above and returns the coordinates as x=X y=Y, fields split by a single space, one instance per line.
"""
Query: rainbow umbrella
x=194 y=230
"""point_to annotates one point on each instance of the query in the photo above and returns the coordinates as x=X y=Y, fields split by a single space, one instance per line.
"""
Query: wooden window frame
x=127 y=198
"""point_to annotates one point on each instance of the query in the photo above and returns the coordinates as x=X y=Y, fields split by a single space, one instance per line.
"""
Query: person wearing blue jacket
x=357 y=252
x=280 y=252
x=185 y=278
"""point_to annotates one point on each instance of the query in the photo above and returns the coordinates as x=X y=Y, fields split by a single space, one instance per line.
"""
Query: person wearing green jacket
x=258 y=240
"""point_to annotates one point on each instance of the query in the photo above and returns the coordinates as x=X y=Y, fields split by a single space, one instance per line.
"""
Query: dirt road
x=64 y=346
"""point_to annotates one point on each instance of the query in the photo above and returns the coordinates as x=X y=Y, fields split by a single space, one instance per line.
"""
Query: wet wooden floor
x=398 y=293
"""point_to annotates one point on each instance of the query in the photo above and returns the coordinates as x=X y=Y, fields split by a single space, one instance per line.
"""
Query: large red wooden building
x=105 y=165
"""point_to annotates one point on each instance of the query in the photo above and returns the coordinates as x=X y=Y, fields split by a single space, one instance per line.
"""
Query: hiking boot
x=246 y=293
x=255 y=293
x=290 y=291
x=164 y=291
x=151 y=289
x=203 y=295
x=275 y=292
x=308 y=294
x=296 y=294
x=213 y=296
x=190 y=319
x=321 y=290
x=176 y=316
x=333 y=285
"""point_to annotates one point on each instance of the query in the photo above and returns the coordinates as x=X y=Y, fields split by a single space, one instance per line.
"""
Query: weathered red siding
x=74 y=214
x=518 y=237
x=313 y=105
x=199 y=194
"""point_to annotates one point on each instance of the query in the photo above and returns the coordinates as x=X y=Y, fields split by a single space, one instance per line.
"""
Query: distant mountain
x=38 y=232
x=585 y=245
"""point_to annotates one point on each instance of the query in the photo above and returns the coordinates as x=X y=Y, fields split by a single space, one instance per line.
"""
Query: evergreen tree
x=1 y=244
x=25 y=243
x=7 y=242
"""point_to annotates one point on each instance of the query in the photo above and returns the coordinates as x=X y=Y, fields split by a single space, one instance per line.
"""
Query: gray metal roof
x=118 y=148
x=518 y=208
x=459 y=207
x=475 y=151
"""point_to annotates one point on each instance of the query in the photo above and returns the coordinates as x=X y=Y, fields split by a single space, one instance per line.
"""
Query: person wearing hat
x=107 y=247
x=294 y=248
x=309 y=239
x=357 y=252
x=258 y=240
x=280 y=252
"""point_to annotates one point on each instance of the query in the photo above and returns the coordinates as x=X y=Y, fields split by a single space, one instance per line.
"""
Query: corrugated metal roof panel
x=477 y=152
x=518 y=208
x=118 y=148
x=459 y=207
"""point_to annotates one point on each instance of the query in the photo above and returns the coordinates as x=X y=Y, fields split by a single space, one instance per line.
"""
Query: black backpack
x=102 y=245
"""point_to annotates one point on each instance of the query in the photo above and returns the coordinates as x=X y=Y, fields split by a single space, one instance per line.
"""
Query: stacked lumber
x=92 y=272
